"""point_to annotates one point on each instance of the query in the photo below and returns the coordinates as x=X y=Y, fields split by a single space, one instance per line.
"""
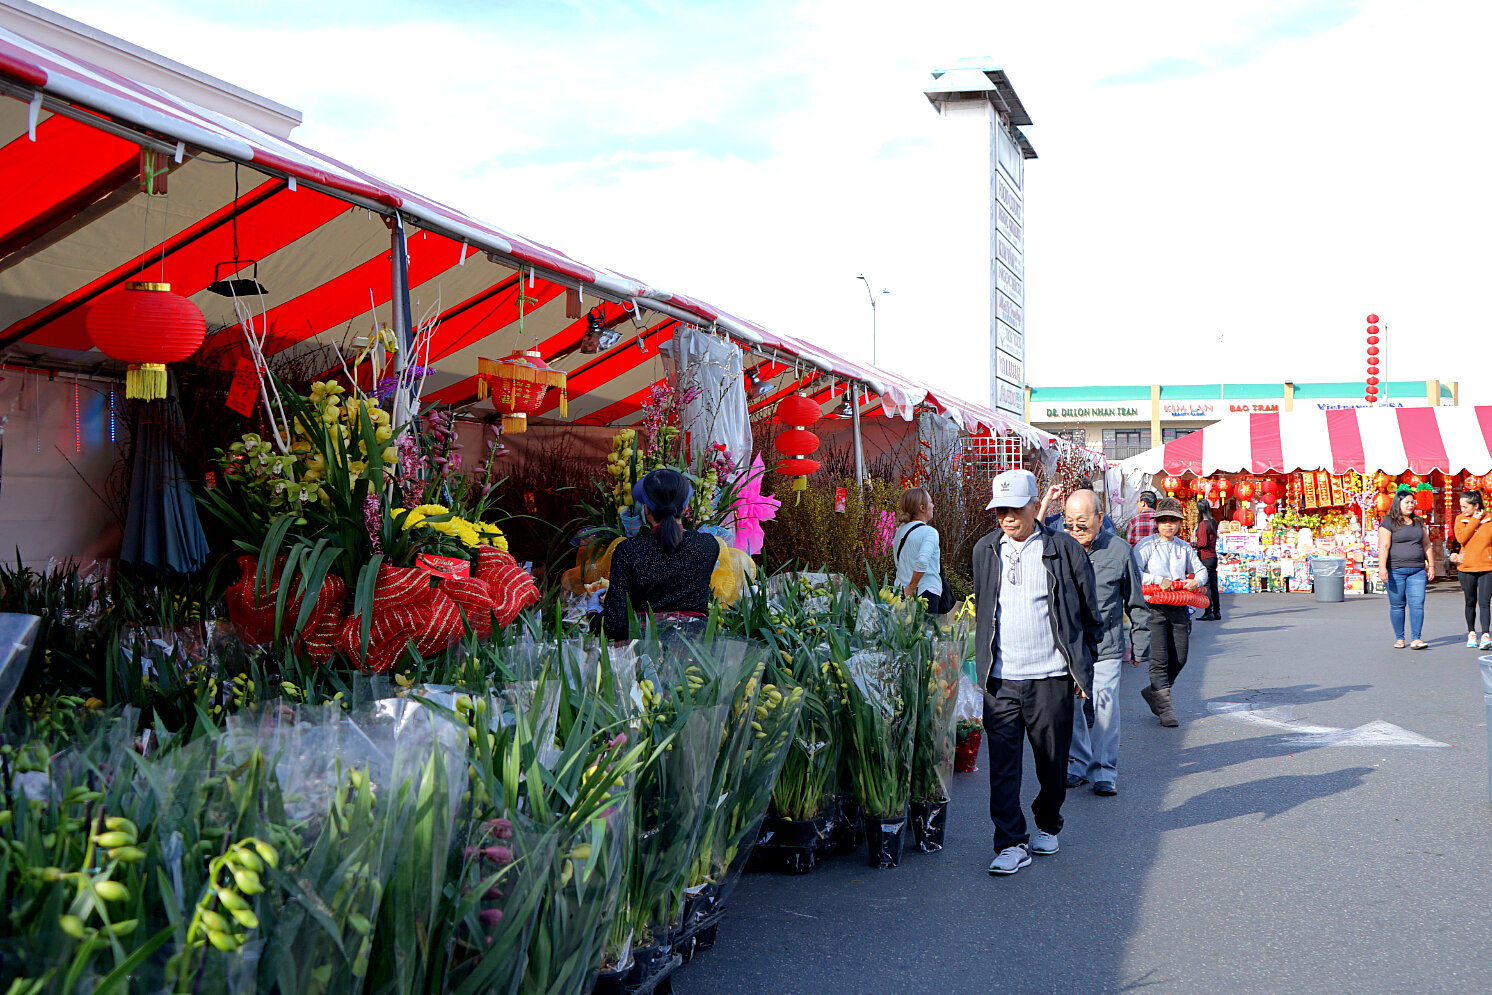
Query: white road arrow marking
x=1376 y=733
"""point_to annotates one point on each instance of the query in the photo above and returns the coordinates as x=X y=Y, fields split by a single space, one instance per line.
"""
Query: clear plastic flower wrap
x=937 y=717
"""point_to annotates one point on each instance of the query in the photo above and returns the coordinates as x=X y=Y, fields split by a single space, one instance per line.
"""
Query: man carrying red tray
x=1168 y=563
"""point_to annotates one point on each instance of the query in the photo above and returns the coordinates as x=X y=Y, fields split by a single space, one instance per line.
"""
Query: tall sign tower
x=983 y=176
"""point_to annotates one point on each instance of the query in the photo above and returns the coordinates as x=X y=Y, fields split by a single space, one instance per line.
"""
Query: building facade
x=1123 y=421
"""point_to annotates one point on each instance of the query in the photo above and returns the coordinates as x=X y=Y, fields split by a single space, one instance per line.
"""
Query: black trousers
x=1170 y=634
x=1041 y=711
x=1477 y=587
x=1217 y=606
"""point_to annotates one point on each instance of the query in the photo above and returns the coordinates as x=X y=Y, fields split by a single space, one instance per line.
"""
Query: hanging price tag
x=243 y=393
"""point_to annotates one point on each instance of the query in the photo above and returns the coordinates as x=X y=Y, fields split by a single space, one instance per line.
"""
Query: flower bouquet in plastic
x=932 y=761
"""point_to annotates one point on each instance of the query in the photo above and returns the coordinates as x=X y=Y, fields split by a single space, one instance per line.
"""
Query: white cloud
x=1234 y=220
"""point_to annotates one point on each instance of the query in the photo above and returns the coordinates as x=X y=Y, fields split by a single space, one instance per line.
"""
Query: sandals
x=1399 y=645
x=1419 y=644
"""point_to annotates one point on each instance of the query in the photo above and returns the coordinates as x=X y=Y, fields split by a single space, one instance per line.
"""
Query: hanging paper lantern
x=1472 y=482
x=1413 y=480
x=1248 y=517
x=1424 y=497
x=1271 y=488
x=517 y=385
x=1170 y=484
x=1245 y=490
x=1380 y=480
x=146 y=326
x=1271 y=505
x=1199 y=486
x=1383 y=502
x=796 y=442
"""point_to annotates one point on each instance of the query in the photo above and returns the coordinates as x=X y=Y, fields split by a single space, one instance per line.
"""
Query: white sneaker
x=1010 y=859
x=1044 y=843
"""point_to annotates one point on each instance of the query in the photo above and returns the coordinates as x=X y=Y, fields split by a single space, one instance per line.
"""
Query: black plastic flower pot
x=792 y=846
x=884 y=840
x=651 y=968
x=611 y=982
x=849 y=830
x=929 y=819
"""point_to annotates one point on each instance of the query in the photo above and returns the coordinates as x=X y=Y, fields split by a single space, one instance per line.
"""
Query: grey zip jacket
x=1119 y=592
x=1072 y=598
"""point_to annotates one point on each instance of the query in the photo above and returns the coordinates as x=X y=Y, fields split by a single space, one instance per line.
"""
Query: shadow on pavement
x=1268 y=796
x=1295 y=694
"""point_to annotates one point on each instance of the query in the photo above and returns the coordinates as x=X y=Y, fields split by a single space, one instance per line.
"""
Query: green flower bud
x=214 y=920
x=247 y=881
x=225 y=942
x=112 y=839
x=231 y=899
x=246 y=918
x=124 y=927
x=72 y=926
x=266 y=852
x=127 y=854
x=123 y=825
x=111 y=891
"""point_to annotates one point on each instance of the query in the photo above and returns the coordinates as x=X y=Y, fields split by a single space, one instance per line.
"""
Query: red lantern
x=1413 y=479
x=1372 y=381
x=1199 y=486
x=1372 y=339
x=146 y=326
x=1424 y=497
x=1373 y=368
x=795 y=441
x=1170 y=484
x=1472 y=483
x=1248 y=518
x=1270 y=490
x=517 y=385
x=1245 y=490
x=1271 y=505
x=1372 y=350
x=1372 y=319
x=1372 y=390
x=1380 y=480
x=1383 y=502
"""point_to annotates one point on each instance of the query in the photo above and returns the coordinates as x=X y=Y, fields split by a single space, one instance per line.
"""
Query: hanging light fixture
x=242 y=286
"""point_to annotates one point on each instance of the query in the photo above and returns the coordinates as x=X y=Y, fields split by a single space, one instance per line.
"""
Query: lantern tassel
x=145 y=382
x=515 y=424
x=564 y=401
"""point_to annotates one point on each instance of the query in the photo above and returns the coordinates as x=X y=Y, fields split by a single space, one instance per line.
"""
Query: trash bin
x=1487 y=697
x=1328 y=575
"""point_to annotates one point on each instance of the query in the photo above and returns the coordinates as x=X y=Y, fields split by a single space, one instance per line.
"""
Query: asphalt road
x=1253 y=850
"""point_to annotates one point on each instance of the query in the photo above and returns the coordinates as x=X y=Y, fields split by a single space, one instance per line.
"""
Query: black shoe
x=1104 y=788
x=1074 y=781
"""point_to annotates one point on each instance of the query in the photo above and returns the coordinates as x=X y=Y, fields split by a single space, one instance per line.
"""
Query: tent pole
x=859 y=447
x=405 y=403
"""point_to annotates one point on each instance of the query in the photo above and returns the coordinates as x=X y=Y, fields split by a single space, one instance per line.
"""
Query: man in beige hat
x=1037 y=632
x=1162 y=559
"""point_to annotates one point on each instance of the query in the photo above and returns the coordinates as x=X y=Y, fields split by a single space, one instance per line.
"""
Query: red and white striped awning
x=1394 y=440
x=74 y=225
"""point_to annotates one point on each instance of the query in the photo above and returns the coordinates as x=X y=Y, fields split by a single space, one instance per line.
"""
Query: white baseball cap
x=1012 y=489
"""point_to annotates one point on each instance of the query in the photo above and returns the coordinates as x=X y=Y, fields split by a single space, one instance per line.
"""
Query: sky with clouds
x=1223 y=192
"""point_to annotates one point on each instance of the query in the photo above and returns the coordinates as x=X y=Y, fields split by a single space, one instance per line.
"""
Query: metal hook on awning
x=180 y=152
x=33 y=112
x=462 y=260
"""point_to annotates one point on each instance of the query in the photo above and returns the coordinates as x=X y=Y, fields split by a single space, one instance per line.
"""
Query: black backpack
x=945 y=600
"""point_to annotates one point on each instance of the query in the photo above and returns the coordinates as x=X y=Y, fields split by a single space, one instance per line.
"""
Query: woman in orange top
x=1474 y=533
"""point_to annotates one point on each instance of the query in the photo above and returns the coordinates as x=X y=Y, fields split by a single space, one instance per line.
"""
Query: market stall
x=1291 y=488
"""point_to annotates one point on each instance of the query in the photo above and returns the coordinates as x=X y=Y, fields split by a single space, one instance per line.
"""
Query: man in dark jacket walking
x=1094 y=754
x=1037 y=633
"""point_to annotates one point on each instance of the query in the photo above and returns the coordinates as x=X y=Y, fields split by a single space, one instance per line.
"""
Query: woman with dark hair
x=1474 y=535
x=665 y=571
x=1405 y=566
x=1205 y=539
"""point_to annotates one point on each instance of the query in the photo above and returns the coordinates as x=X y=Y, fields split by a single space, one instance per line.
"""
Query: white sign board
x=1011 y=256
x=1008 y=224
x=1008 y=197
x=1009 y=284
x=1009 y=339
x=1008 y=367
x=1009 y=158
x=1010 y=397
x=1009 y=312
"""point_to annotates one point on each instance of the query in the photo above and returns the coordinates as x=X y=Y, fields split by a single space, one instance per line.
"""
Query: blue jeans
x=1406 y=588
x=1094 y=752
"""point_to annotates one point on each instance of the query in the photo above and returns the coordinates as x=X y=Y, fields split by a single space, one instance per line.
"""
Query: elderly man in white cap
x=1037 y=633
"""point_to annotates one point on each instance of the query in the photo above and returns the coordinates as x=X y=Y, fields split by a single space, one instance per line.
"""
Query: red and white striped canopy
x=1394 y=440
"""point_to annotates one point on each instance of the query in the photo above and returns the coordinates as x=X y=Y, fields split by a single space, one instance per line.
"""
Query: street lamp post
x=871 y=294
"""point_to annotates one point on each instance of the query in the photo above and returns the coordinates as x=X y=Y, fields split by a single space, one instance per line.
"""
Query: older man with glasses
x=1094 y=754
x=1037 y=634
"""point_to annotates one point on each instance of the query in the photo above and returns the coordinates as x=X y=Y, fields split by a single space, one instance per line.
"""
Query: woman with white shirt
x=918 y=560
